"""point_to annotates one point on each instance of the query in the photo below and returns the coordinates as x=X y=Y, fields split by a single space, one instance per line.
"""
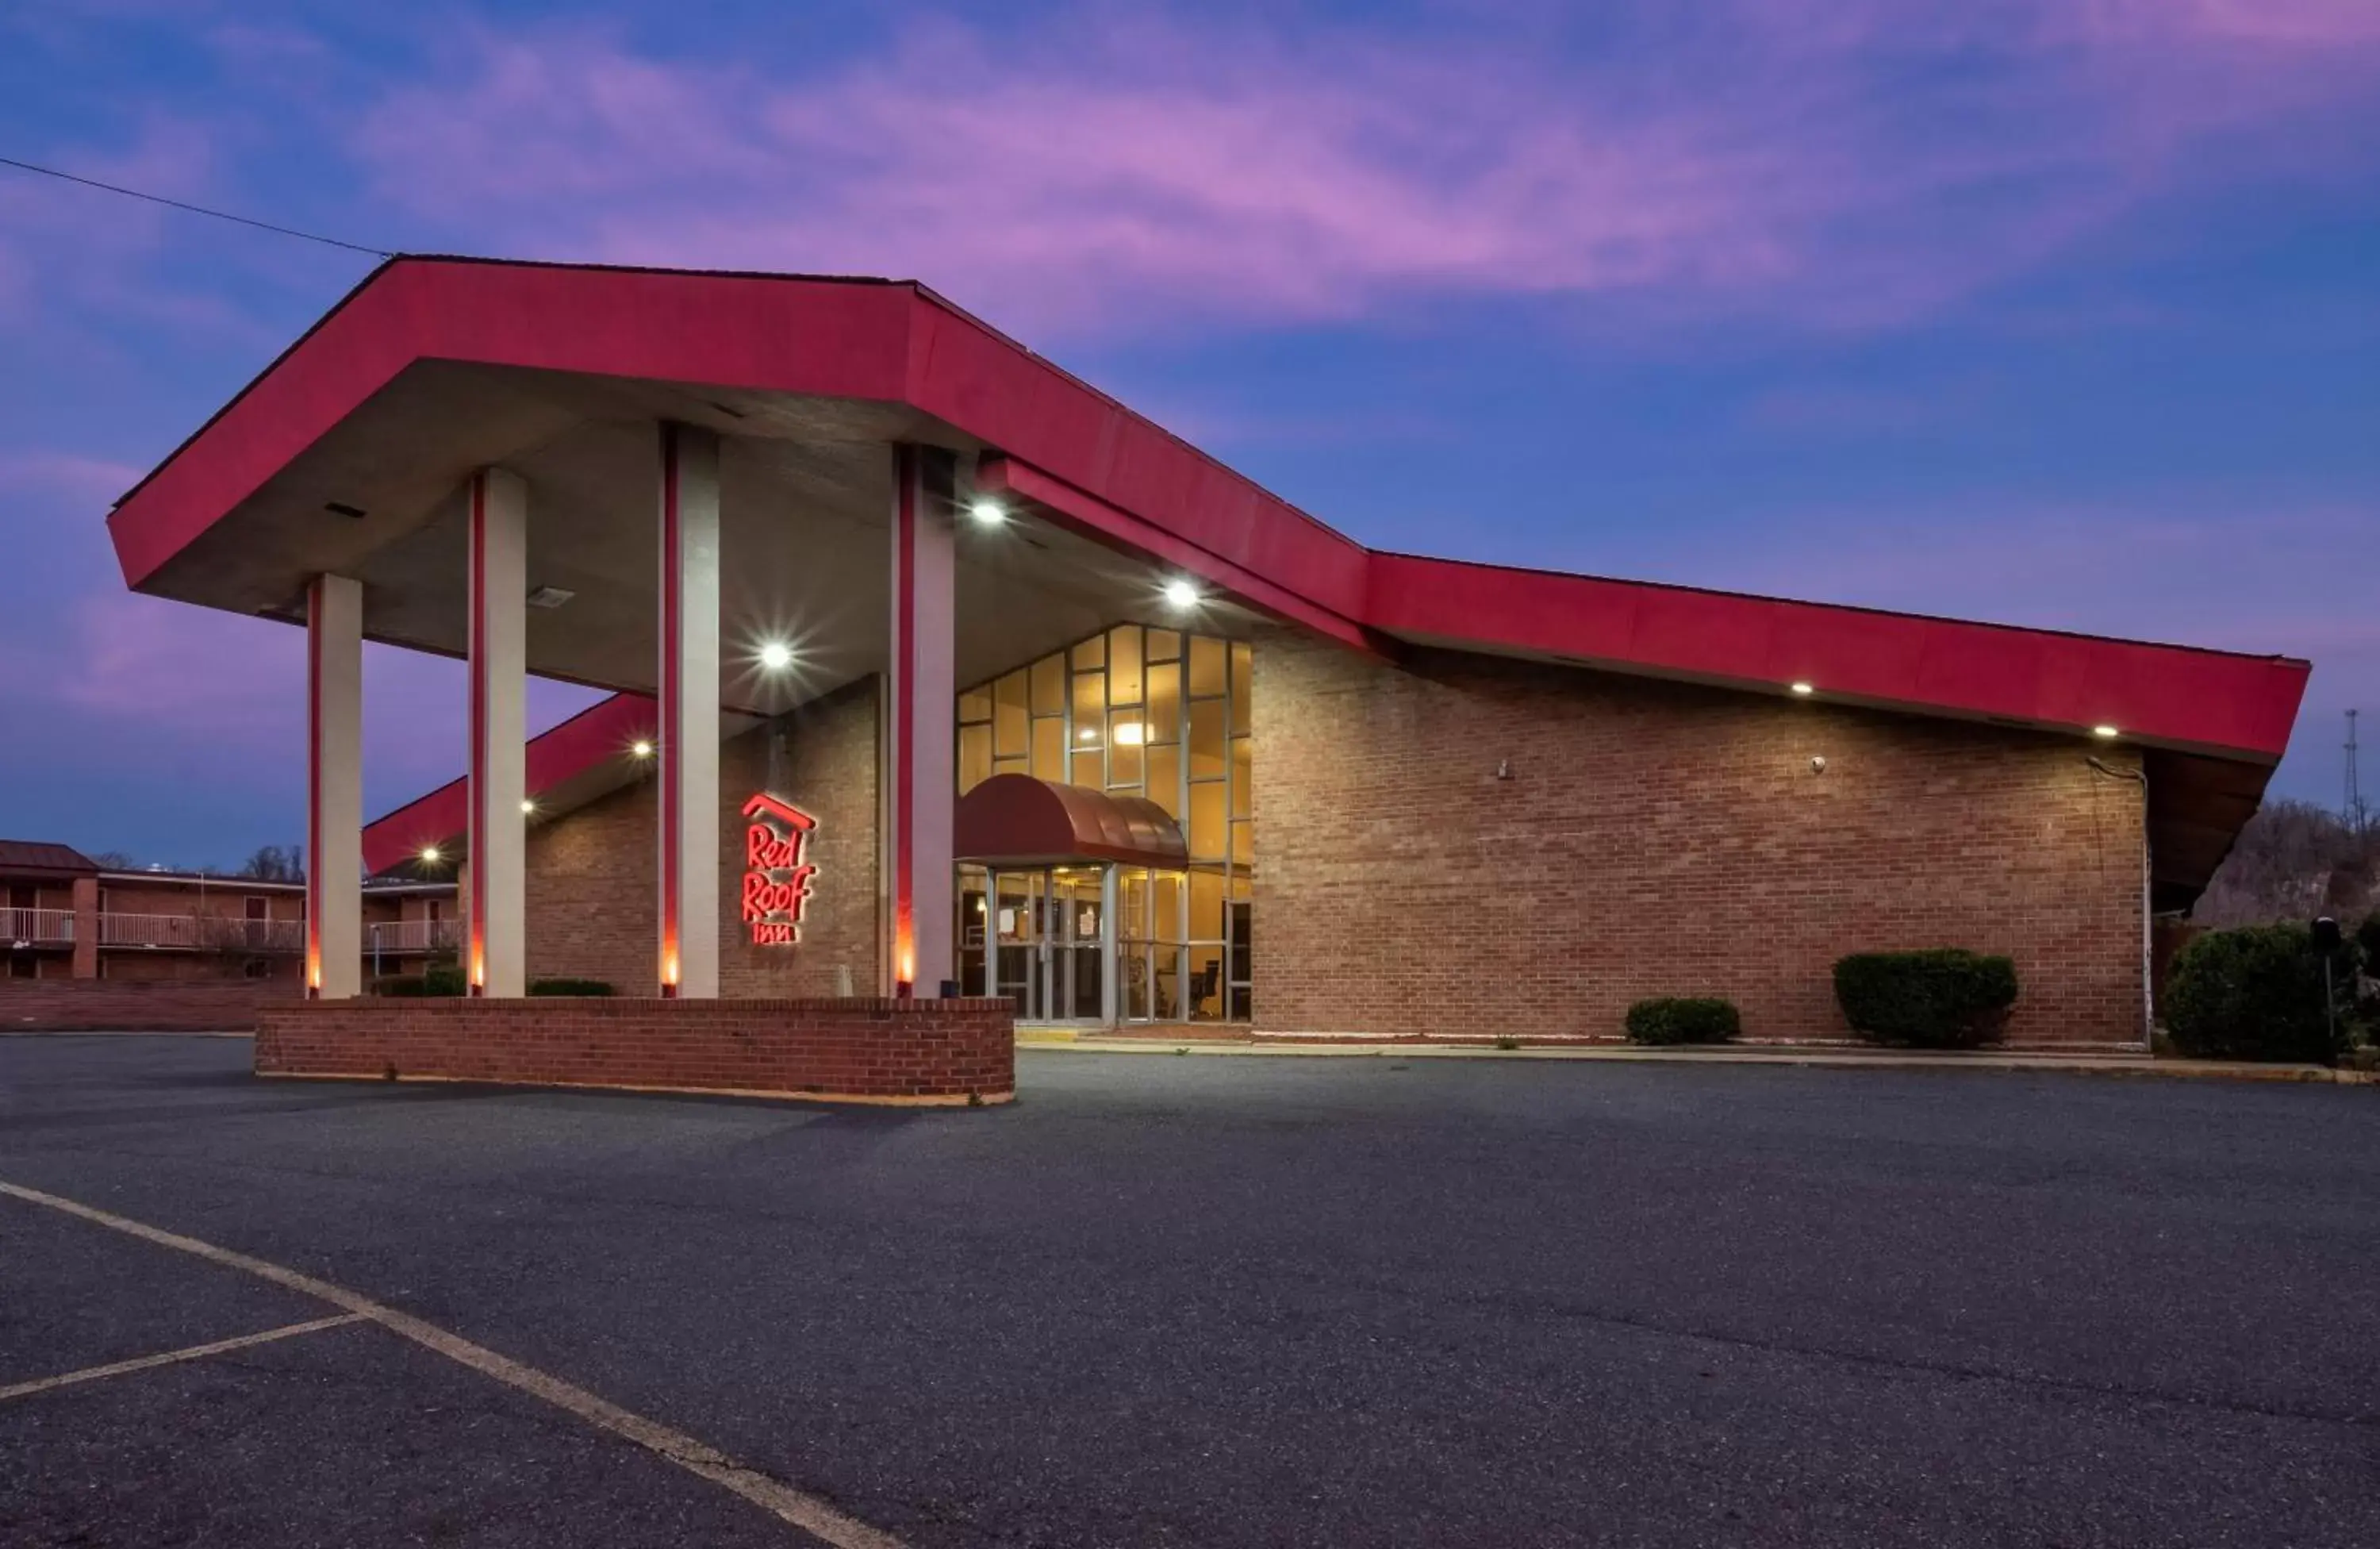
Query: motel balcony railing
x=413 y=935
x=36 y=927
x=201 y=932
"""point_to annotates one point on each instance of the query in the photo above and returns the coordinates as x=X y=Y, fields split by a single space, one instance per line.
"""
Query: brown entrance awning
x=1016 y=819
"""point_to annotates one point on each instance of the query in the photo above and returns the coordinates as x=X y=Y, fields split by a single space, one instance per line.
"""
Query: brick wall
x=1661 y=838
x=63 y=1004
x=952 y=1051
x=591 y=873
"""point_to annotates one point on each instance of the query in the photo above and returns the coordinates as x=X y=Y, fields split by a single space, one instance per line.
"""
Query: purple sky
x=2052 y=311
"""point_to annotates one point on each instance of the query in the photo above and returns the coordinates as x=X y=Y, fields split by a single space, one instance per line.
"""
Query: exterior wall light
x=988 y=512
x=2104 y=731
x=1181 y=593
x=776 y=655
x=640 y=749
x=1804 y=689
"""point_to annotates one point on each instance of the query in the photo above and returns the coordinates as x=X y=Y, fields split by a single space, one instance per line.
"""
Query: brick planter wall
x=63 y=1004
x=882 y=1051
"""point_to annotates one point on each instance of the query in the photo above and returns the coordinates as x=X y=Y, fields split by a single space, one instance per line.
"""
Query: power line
x=194 y=209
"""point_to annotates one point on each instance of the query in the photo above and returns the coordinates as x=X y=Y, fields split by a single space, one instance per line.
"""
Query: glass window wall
x=1134 y=711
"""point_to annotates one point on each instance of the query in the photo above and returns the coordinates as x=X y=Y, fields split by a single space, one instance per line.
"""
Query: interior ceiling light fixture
x=1130 y=734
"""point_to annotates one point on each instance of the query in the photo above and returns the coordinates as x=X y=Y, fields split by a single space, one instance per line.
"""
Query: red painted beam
x=1095 y=518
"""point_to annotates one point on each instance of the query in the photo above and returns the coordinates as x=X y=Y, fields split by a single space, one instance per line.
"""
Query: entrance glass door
x=1049 y=944
x=1076 y=945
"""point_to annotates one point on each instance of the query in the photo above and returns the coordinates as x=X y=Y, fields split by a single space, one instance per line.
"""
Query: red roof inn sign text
x=776 y=878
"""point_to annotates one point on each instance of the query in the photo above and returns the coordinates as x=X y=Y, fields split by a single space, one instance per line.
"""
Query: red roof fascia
x=2206 y=700
x=605 y=729
x=1095 y=519
x=1099 y=467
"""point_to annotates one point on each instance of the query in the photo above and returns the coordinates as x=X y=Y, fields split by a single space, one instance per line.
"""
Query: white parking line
x=195 y=1352
x=807 y=1512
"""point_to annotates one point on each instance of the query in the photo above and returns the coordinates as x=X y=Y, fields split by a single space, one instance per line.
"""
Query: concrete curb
x=2074 y=1064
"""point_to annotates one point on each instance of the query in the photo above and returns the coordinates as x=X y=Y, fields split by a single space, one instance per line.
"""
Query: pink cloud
x=1070 y=175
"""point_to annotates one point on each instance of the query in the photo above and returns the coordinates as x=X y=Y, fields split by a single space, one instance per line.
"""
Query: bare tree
x=2293 y=860
x=271 y=864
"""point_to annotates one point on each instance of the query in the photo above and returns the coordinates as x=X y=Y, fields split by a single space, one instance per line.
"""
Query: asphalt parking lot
x=1194 y=1301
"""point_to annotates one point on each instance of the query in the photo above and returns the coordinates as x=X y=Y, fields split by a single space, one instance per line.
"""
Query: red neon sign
x=776 y=878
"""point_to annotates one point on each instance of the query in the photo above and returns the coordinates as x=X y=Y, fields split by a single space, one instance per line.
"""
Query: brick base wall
x=63 y=1005
x=922 y=1052
x=1662 y=839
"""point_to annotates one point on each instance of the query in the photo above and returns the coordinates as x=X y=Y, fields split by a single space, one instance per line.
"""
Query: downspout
x=2148 y=928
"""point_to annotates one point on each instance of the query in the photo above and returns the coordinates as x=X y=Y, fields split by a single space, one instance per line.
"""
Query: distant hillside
x=2294 y=860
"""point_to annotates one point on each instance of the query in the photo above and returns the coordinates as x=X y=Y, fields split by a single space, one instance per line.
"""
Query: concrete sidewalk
x=2093 y=1064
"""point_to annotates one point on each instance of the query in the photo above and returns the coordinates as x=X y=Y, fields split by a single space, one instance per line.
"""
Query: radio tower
x=2358 y=818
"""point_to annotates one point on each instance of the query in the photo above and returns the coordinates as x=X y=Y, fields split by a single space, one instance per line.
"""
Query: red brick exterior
x=115 y=1004
x=1658 y=840
x=592 y=873
x=929 y=1052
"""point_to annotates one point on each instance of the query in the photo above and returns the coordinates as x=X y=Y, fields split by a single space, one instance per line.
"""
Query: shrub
x=1683 y=1020
x=2256 y=993
x=569 y=987
x=430 y=981
x=1941 y=998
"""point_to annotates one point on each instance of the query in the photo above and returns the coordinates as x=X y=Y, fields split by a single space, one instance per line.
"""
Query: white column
x=496 y=785
x=335 y=791
x=921 y=706
x=689 y=712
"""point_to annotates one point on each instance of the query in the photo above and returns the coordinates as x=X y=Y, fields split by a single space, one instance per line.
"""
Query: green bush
x=1941 y=998
x=569 y=987
x=1683 y=1020
x=2258 y=994
x=430 y=981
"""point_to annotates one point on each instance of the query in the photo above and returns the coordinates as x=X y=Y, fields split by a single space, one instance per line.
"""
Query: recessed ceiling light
x=1181 y=593
x=988 y=512
x=776 y=655
x=526 y=805
x=2103 y=729
x=640 y=749
x=1804 y=689
x=430 y=855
